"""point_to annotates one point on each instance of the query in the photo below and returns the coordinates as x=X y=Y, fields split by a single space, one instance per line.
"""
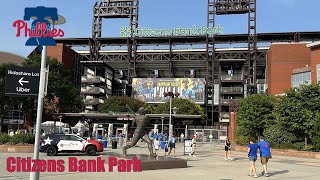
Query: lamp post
x=162 y=118
x=42 y=83
x=171 y=96
x=60 y=118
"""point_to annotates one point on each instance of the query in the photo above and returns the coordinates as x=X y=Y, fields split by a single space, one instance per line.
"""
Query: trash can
x=114 y=144
x=163 y=143
x=105 y=143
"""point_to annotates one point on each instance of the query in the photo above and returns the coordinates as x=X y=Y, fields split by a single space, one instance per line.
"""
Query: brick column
x=231 y=127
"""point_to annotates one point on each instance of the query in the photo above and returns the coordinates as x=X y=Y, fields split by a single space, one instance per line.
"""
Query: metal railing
x=90 y=90
x=231 y=89
x=93 y=101
x=231 y=78
x=94 y=79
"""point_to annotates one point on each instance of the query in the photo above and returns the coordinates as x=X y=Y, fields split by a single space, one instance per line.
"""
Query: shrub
x=276 y=134
x=4 y=138
x=22 y=138
x=242 y=135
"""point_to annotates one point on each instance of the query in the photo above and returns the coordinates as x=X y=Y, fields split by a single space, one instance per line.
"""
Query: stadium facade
x=228 y=67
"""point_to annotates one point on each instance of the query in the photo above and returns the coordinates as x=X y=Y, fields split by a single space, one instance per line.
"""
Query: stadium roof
x=219 y=39
x=314 y=45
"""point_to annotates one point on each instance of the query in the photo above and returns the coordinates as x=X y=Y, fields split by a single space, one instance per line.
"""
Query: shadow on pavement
x=278 y=172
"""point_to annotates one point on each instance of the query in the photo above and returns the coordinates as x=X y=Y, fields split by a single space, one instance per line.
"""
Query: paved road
x=209 y=164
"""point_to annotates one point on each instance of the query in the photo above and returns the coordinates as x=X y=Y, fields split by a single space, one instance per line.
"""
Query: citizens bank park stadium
x=200 y=63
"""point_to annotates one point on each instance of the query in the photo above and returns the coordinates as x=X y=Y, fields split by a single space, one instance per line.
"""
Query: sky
x=272 y=16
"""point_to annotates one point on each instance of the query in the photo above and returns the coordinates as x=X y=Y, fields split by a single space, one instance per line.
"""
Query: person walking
x=265 y=154
x=252 y=154
x=182 y=137
x=156 y=145
x=227 y=149
x=193 y=145
x=172 y=144
x=166 y=148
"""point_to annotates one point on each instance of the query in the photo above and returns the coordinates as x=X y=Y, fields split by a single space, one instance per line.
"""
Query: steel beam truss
x=110 y=9
x=227 y=7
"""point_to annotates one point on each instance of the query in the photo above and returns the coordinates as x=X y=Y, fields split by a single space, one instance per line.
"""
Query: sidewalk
x=209 y=164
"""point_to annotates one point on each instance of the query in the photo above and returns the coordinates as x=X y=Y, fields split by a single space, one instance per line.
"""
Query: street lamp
x=60 y=118
x=162 y=118
x=171 y=95
x=42 y=82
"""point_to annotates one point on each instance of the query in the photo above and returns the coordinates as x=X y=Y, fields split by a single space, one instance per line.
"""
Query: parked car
x=52 y=144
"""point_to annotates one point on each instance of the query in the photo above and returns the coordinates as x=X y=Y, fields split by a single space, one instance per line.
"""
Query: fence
x=203 y=135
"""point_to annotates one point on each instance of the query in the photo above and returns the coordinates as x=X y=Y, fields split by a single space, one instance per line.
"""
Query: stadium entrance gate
x=203 y=135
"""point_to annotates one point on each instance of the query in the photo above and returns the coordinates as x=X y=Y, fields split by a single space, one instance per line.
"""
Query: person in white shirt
x=156 y=144
x=182 y=137
x=194 y=142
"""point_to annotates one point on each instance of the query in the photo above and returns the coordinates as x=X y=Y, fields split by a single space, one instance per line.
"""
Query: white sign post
x=187 y=146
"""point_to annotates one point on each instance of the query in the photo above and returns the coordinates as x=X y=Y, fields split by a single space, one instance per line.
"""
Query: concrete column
x=125 y=132
x=110 y=129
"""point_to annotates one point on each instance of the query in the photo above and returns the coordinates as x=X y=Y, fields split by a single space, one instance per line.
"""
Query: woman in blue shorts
x=252 y=154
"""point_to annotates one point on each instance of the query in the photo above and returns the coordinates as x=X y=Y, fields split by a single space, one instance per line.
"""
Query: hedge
x=16 y=139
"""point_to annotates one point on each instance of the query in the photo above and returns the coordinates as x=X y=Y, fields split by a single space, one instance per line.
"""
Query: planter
x=286 y=152
x=16 y=148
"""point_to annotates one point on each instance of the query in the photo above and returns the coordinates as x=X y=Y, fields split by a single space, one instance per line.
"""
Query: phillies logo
x=40 y=33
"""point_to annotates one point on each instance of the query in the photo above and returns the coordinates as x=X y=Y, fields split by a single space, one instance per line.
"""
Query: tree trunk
x=305 y=140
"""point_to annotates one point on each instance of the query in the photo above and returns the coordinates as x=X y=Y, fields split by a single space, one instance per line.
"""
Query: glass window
x=63 y=137
x=73 y=138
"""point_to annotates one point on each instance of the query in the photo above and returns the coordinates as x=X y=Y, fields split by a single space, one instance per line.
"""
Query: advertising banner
x=151 y=90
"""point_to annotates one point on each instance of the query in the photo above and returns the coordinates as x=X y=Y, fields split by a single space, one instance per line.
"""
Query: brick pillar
x=231 y=127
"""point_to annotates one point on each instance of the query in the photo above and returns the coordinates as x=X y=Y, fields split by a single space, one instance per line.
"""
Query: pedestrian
x=182 y=137
x=227 y=149
x=265 y=154
x=172 y=144
x=193 y=145
x=166 y=148
x=156 y=146
x=252 y=154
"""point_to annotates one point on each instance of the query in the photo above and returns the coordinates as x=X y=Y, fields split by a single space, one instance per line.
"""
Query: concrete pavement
x=209 y=164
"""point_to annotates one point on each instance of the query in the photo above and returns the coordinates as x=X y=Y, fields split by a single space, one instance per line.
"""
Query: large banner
x=151 y=90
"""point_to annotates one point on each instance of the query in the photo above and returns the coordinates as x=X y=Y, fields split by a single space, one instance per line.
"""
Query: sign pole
x=35 y=175
x=170 y=127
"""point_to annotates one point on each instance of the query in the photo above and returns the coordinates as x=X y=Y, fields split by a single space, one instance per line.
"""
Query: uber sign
x=22 y=81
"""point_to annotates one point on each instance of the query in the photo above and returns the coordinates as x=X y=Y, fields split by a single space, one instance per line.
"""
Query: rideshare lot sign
x=22 y=81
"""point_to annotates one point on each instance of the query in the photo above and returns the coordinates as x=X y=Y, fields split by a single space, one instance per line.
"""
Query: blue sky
x=272 y=16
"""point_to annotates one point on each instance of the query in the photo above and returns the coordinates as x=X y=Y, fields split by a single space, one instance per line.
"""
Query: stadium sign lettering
x=40 y=30
x=125 y=31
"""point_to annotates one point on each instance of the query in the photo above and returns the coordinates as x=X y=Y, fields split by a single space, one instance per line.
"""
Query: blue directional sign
x=22 y=81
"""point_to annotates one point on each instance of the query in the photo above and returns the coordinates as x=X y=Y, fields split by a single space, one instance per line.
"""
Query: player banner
x=151 y=90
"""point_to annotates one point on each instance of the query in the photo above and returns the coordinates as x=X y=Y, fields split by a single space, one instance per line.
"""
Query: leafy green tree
x=61 y=95
x=117 y=104
x=255 y=113
x=298 y=109
x=184 y=106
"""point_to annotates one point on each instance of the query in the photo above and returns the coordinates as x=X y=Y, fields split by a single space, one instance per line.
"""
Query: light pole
x=35 y=175
x=171 y=95
x=60 y=117
x=162 y=118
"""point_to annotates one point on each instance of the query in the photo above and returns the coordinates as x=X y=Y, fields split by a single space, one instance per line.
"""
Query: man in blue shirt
x=172 y=144
x=265 y=154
